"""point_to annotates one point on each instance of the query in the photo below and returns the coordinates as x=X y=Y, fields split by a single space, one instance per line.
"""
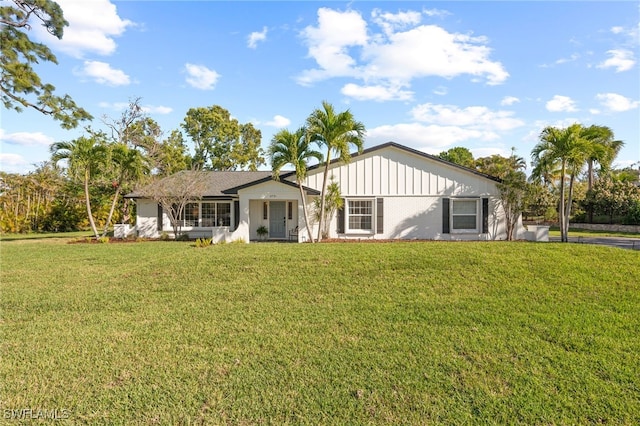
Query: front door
x=277 y=219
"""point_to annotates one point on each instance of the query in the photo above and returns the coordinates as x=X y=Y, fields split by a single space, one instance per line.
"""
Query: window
x=360 y=215
x=191 y=213
x=464 y=215
x=223 y=214
x=206 y=214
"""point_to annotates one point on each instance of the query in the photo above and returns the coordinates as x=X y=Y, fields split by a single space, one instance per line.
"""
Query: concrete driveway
x=621 y=242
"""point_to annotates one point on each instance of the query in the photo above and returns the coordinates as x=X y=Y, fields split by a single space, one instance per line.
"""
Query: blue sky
x=488 y=76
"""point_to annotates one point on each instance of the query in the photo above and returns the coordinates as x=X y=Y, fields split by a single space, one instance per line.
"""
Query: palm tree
x=337 y=132
x=606 y=149
x=129 y=165
x=85 y=156
x=295 y=149
x=569 y=151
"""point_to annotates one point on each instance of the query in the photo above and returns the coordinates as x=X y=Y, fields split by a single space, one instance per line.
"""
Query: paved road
x=621 y=242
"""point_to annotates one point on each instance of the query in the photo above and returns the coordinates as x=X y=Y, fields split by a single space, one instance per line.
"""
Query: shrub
x=203 y=242
x=633 y=214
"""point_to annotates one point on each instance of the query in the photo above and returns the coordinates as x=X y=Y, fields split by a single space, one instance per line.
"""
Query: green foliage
x=633 y=214
x=221 y=142
x=406 y=333
x=333 y=202
x=458 y=155
x=499 y=166
x=540 y=201
x=173 y=156
x=294 y=149
x=262 y=231
x=183 y=237
x=103 y=240
x=20 y=85
x=612 y=197
x=560 y=157
x=337 y=132
x=86 y=157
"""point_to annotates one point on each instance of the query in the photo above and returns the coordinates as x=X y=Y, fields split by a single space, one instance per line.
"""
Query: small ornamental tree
x=513 y=189
x=173 y=193
x=332 y=202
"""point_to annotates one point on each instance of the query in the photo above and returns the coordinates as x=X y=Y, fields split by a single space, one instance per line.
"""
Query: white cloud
x=617 y=30
x=616 y=103
x=201 y=77
x=436 y=12
x=572 y=58
x=440 y=90
x=157 y=109
x=509 y=100
x=255 y=37
x=489 y=151
x=390 y=22
x=148 y=109
x=12 y=163
x=279 y=121
x=26 y=138
x=376 y=93
x=428 y=138
x=329 y=42
x=474 y=117
x=561 y=104
x=92 y=28
x=620 y=59
x=344 y=45
x=102 y=73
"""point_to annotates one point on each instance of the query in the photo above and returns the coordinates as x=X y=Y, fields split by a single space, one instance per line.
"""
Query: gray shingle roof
x=217 y=182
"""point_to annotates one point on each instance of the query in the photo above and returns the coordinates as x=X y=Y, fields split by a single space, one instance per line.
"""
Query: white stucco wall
x=146 y=218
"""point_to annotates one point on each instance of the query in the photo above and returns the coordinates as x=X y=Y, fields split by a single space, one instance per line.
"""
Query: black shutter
x=445 y=216
x=485 y=215
x=159 y=217
x=265 y=210
x=341 y=217
x=290 y=207
x=379 y=215
x=236 y=214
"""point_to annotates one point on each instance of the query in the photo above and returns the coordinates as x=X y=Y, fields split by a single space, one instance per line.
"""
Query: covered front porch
x=272 y=211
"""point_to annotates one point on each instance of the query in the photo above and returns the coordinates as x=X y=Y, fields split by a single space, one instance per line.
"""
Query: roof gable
x=411 y=151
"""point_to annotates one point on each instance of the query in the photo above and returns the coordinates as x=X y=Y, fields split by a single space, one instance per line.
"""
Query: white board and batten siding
x=412 y=188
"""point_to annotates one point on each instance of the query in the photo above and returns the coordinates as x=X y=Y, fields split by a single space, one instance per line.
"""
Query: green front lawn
x=360 y=333
x=578 y=232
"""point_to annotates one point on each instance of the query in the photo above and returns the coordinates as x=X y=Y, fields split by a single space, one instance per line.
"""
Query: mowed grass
x=358 y=333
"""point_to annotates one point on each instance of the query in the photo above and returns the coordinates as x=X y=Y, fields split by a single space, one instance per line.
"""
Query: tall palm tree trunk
x=561 y=210
x=88 y=203
x=323 y=195
x=113 y=207
x=306 y=215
